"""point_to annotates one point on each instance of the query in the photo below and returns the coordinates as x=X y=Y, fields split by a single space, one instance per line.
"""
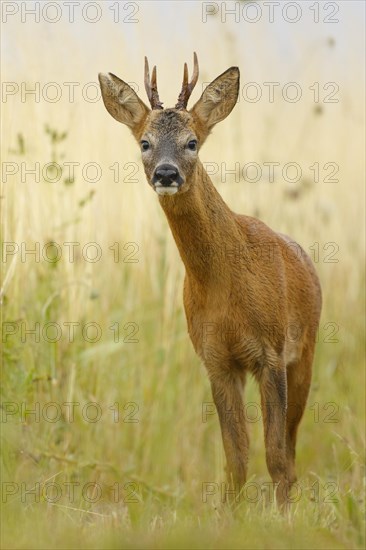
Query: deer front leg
x=227 y=394
x=273 y=389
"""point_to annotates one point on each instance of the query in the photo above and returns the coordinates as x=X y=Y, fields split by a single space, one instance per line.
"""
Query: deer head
x=170 y=138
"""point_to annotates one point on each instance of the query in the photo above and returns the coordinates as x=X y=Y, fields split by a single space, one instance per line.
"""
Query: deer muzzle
x=166 y=179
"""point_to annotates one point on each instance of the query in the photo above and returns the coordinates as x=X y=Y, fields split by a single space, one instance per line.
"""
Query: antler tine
x=187 y=88
x=151 y=87
x=195 y=72
x=147 y=78
x=185 y=76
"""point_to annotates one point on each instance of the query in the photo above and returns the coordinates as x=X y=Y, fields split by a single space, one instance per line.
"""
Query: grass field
x=109 y=438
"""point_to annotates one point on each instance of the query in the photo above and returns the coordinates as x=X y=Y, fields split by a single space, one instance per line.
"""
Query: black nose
x=166 y=174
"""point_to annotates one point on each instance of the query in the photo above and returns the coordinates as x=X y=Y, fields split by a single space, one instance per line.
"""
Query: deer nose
x=166 y=174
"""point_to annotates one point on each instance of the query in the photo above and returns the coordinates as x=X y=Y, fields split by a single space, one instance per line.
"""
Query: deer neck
x=203 y=227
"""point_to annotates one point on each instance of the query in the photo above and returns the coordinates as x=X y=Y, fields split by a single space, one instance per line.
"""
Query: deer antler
x=151 y=87
x=187 y=88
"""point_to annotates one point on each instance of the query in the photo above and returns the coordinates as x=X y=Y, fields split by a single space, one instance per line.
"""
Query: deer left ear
x=218 y=99
x=122 y=102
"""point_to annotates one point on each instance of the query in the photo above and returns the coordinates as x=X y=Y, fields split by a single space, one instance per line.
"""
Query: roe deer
x=258 y=315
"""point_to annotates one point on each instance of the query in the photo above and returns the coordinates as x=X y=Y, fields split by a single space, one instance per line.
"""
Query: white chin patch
x=165 y=190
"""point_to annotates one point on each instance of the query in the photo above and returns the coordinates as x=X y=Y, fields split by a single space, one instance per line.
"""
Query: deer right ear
x=218 y=99
x=121 y=101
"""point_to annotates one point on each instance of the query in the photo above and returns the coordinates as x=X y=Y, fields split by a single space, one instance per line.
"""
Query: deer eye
x=145 y=145
x=192 y=145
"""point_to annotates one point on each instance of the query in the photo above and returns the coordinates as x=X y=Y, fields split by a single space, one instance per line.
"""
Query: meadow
x=108 y=436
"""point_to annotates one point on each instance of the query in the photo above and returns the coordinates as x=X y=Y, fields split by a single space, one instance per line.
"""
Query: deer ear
x=121 y=101
x=218 y=99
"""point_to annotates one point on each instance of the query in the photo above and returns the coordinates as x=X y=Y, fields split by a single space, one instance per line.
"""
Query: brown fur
x=251 y=296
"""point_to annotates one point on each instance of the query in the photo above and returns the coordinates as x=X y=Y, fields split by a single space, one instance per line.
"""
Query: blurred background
x=102 y=291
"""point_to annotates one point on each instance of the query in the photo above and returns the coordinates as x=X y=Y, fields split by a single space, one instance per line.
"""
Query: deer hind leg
x=273 y=390
x=227 y=387
x=298 y=385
